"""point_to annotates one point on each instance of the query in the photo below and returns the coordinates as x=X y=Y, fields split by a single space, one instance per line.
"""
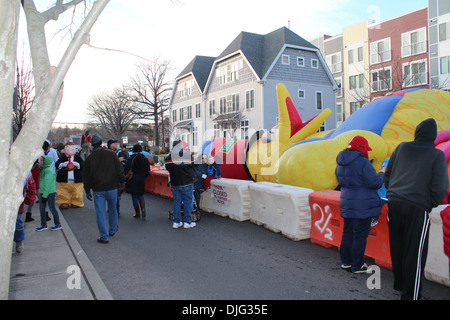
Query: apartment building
x=234 y=94
x=380 y=58
x=355 y=42
x=398 y=56
x=333 y=49
x=439 y=43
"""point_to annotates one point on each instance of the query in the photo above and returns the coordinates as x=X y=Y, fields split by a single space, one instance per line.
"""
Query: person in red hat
x=359 y=201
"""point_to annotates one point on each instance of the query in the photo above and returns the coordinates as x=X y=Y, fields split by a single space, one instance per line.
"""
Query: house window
x=444 y=31
x=194 y=136
x=381 y=80
x=445 y=65
x=339 y=112
x=334 y=62
x=185 y=88
x=285 y=59
x=229 y=72
x=415 y=73
x=414 y=42
x=356 y=81
x=174 y=115
x=188 y=111
x=223 y=105
x=350 y=56
x=301 y=94
x=244 y=129
x=197 y=110
x=181 y=113
x=360 y=54
x=212 y=107
x=250 y=99
x=318 y=100
x=300 y=61
x=380 y=51
x=354 y=106
x=339 y=84
x=232 y=102
x=314 y=63
x=216 y=130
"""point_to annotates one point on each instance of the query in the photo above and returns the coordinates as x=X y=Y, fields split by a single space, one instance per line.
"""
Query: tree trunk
x=16 y=164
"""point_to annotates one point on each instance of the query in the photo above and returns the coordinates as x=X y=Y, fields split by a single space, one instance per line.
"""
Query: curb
x=93 y=280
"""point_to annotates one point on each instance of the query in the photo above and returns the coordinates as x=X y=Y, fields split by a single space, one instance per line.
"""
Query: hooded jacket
x=47 y=179
x=359 y=183
x=181 y=168
x=417 y=172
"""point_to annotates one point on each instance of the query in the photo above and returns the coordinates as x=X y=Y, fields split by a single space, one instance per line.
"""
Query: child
x=29 y=193
x=47 y=190
x=213 y=172
x=445 y=215
x=35 y=173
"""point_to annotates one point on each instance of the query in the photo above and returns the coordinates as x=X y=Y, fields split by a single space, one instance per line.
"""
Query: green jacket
x=47 y=178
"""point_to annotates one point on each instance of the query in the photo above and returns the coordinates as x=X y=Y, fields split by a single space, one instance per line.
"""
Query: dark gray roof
x=200 y=67
x=261 y=50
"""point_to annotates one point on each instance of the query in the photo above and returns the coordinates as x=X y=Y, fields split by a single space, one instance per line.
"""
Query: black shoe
x=102 y=241
x=28 y=217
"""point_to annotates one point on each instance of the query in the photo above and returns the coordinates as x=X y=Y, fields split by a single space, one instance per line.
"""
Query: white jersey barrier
x=228 y=198
x=281 y=208
x=437 y=266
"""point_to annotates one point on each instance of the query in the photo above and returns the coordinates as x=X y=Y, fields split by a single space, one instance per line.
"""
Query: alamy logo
x=374 y=281
x=74 y=280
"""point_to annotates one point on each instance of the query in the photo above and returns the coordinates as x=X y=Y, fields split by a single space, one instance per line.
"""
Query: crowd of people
x=102 y=173
x=412 y=181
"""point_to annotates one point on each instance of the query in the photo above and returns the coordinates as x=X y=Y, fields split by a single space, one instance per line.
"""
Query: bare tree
x=24 y=94
x=15 y=165
x=151 y=93
x=112 y=111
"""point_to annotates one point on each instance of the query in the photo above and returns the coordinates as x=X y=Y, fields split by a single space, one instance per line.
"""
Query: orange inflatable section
x=327 y=226
x=157 y=182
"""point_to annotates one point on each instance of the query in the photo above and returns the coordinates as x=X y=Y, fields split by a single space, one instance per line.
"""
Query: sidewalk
x=41 y=272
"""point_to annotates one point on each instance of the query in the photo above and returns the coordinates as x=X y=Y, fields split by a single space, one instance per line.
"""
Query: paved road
x=220 y=259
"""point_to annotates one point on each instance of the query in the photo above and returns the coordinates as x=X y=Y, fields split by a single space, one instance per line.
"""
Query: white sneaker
x=176 y=225
x=189 y=225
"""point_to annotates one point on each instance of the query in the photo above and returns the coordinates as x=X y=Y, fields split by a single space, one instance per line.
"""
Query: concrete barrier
x=228 y=198
x=437 y=266
x=281 y=208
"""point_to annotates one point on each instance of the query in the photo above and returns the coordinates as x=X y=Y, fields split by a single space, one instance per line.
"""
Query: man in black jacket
x=103 y=173
x=182 y=176
x=416 y=179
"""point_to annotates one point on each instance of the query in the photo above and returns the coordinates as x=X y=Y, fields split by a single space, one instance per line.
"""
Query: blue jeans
x=101 y=198
x=19 y=233
x=135 y=198
x=51 y=200
x=353 y=243
x=185 y=195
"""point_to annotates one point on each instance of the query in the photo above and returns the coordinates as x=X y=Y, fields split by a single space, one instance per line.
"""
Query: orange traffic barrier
x=150 y=183
x=327 y=226
x=161 y=183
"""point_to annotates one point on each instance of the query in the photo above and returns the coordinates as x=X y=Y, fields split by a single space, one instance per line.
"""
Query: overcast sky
x=179 y=30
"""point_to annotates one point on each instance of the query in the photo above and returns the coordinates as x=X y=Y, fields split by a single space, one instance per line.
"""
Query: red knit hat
x=359 y=143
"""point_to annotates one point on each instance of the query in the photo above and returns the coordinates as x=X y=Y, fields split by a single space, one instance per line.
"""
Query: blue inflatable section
x=206 y=147
x=372 y=117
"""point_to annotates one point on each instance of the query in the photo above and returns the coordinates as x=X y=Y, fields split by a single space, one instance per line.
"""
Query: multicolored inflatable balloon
x=296 y=154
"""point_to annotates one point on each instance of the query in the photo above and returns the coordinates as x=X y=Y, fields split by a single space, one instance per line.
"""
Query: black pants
x=408 y=233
